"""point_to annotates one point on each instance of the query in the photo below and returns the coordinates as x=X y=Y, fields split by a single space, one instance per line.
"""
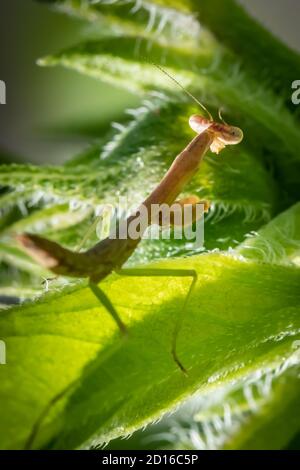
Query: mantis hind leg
x=169 y=273
x=78 y=248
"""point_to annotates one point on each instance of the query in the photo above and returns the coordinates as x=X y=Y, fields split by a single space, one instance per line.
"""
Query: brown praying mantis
x=109 y=255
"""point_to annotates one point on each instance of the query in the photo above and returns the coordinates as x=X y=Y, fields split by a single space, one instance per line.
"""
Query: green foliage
x=67 y=363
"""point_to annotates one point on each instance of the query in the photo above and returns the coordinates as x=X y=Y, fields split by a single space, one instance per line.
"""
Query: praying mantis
x=109 y=255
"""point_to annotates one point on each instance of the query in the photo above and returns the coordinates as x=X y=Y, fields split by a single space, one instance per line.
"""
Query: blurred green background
x=51 y=114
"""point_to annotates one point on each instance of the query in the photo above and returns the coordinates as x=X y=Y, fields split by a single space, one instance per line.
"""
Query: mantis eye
x=236 y=135
x=231 y=135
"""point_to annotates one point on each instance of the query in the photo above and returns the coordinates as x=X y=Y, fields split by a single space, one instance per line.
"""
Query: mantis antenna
x=185 y=91
x=221 y=117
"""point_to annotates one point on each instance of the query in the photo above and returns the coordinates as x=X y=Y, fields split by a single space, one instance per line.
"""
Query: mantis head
x=223 y=133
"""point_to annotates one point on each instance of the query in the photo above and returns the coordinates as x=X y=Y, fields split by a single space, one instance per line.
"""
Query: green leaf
x=278 y=241
x=17 y=257
x=112 y=59
x=110 y=376
x=53 y=219
x=259 y=412
x=168 y=20
x=275 y=422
